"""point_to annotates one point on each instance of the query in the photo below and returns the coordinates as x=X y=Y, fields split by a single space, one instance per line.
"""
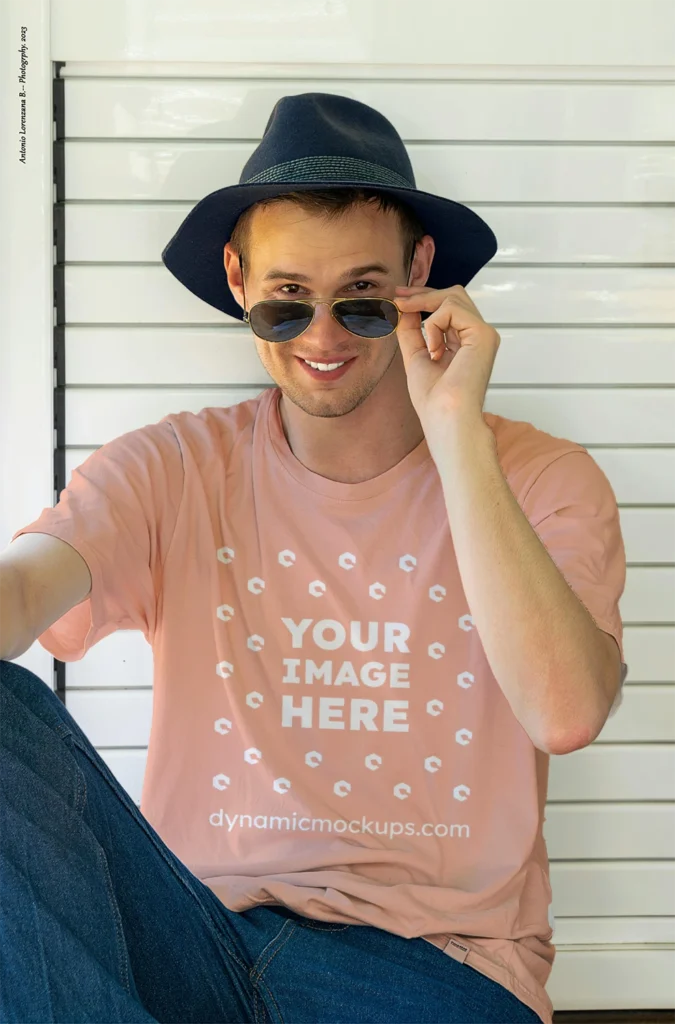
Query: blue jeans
x=100 y=922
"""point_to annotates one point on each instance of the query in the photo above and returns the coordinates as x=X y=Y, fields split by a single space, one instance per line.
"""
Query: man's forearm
x=540 y=641
x=15 y=638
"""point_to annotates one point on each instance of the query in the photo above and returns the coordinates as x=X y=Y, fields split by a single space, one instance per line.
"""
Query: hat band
x=330 y=168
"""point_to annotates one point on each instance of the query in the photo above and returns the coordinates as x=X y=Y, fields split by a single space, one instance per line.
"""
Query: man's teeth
x=325 y=366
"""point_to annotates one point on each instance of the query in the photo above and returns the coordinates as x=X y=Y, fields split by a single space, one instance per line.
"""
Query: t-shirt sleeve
x=119 y=512
x=572 y=507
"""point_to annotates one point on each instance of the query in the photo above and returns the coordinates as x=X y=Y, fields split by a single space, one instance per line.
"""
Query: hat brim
x=464 y=242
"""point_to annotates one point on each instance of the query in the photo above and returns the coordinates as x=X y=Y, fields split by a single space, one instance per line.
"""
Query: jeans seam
x=262 y=984
x=81 y=791
x=256 y=974
x=126 y=802
x=122 y=942
x=319 y=927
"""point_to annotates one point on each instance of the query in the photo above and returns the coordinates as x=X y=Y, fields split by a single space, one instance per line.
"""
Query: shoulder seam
x=573 y=451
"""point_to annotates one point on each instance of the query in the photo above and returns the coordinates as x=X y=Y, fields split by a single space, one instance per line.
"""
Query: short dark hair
x=332 y=203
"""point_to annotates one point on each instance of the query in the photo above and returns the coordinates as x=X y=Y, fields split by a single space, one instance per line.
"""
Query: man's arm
x=41 y=578
x=544 y=648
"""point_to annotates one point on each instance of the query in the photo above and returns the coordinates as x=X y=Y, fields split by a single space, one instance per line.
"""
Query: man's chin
x=326 y=404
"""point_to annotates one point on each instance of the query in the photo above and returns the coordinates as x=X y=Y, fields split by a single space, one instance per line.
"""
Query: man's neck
x=363 y=444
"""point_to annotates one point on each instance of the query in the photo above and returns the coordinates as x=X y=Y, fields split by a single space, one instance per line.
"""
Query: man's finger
x=409 y=333
x=426 y=302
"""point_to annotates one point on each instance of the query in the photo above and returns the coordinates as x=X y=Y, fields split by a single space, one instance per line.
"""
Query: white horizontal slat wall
x=574 y=168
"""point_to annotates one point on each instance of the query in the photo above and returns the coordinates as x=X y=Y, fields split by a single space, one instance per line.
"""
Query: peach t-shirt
x=327 y=733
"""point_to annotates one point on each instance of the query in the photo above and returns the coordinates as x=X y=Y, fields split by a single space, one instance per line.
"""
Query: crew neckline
x=335 y=488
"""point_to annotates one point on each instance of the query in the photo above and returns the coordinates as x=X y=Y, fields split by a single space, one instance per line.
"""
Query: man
x=364 y=653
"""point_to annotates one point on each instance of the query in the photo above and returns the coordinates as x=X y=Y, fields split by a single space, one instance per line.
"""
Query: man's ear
x=233 y=272
x=424 y=257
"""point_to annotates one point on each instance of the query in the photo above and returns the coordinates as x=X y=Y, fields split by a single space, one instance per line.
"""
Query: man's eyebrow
x=278 y=273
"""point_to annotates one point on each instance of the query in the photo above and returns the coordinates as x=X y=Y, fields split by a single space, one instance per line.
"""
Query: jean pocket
x=322 y=926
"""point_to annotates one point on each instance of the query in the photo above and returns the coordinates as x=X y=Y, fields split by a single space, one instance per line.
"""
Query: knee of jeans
x=35 y=694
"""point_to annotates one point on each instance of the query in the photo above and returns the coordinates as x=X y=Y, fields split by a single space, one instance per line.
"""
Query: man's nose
x=324 y=327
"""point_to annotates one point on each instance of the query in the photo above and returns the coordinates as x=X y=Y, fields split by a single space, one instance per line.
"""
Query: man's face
x=297 y=254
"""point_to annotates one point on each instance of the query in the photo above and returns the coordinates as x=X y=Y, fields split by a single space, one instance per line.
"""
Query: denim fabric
x=101 y=922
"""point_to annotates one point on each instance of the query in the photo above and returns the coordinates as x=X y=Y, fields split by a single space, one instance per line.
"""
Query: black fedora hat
x=316 y=141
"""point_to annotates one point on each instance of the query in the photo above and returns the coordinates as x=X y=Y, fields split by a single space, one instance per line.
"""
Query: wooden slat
x=647 y=714
x=123 y=660
x=121 y=718
x=581 y=931
x=594 y=831
x=186 y=171
x=613 y=979
x=609 y=888
x=649 y=595
x=650 y=652
x=180 y=356
x=432 y=110
x=586 y=416
x=227 y=355
x=614 y=771
x=113 y=718
x=143 y=294
x=648 y=533
x=612 y=931
x=137 y=233
x=522 y=32
x=599 y=772
x=332 y=71
x=95 y=416
x=637 y=476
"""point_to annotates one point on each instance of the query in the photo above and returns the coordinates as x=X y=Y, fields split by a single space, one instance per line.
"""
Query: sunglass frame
x=330 y=303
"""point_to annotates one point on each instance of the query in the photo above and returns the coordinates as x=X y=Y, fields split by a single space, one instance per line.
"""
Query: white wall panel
x=125 y=293
x=649 y=594
x=95 y=415
x=648 y=716
x=121 y=717
x=172 y=354
x=603 y=831
x=612 y=772
x=178 y=171
x=633 y=32
x=122 y=660
x=423 y=111
x=127 y=232
x=113 y=718
x=619 y=887
x=585 y=415
x=582 y=931
x=648 y=534
x=639 y=476
x=593 y=978
x=652 y=651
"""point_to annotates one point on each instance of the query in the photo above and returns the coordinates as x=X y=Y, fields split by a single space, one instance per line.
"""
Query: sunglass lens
x=369 y=318
x=280 y=320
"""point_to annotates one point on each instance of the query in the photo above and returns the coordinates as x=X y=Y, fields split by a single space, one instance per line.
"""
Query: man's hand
x=449 y=378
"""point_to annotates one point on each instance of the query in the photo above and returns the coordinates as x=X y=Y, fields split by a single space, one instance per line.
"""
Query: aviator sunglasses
x=286 y=319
